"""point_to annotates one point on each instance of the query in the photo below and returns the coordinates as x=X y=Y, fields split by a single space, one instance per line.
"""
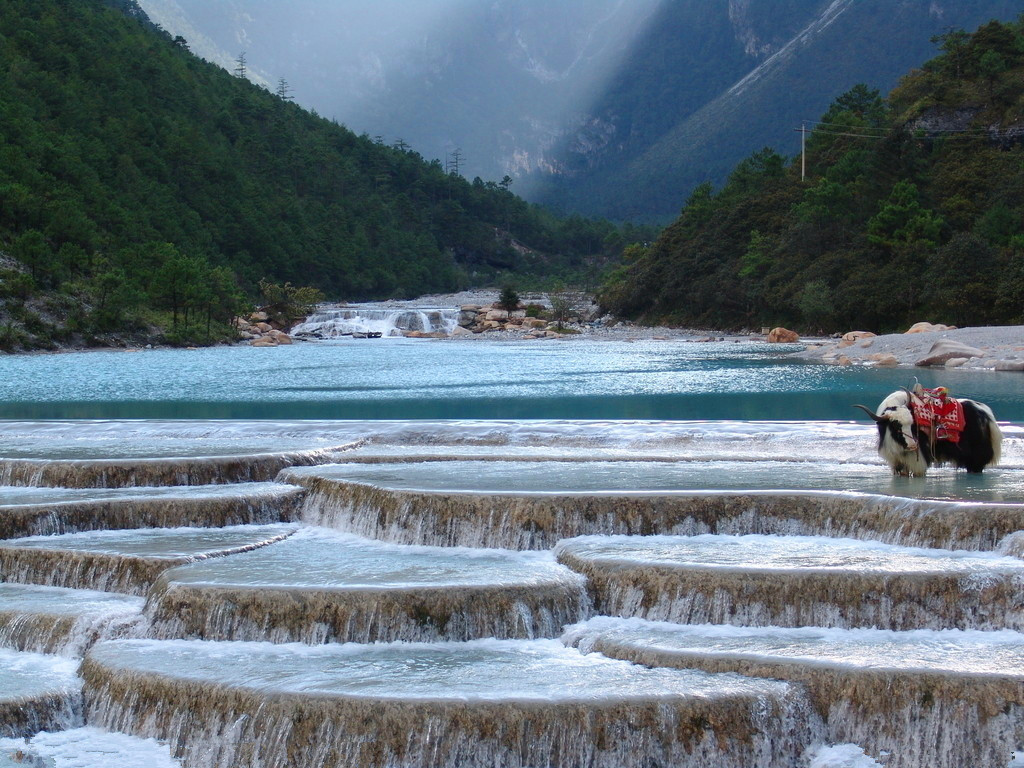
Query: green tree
x=816 y=304
x=286 y=303
x=509 y=299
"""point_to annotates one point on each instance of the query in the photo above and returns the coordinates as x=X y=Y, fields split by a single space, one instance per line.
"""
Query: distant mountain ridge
x=604 y=107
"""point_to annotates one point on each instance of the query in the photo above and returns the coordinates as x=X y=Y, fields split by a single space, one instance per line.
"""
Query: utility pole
x=803 y=150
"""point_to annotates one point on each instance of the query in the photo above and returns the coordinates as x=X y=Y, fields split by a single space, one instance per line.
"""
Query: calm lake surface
x=440 y=379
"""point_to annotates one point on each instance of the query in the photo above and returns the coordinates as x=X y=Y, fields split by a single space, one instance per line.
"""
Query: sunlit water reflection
x=443 y=379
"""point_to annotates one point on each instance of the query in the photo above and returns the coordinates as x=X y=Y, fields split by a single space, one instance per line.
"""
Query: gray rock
x=946 y=349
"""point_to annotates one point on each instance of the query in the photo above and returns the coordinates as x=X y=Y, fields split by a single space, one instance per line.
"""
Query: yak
x=910 y=446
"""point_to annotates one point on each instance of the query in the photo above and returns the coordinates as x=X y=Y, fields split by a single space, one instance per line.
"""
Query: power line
x=886 y=130
x=838 y=133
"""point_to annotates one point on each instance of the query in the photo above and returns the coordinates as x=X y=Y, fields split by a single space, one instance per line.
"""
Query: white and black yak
x=909 y=444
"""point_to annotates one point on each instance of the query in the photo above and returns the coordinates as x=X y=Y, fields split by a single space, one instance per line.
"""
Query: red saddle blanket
x=945 y=414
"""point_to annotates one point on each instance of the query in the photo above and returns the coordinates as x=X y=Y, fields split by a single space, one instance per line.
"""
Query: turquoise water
x=441 y=379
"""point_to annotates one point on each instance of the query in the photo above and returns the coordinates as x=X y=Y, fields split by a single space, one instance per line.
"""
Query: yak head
x=895 y=419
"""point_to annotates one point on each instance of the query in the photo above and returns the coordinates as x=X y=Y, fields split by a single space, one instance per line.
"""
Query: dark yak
x=910 y=448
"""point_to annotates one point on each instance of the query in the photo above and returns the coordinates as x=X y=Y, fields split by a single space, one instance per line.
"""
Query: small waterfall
x=125 y=473
x=322 y=586
x=337 y=322
x=61 y=565
x=65 y=621
x=67 y=635
x=938 y=719
x=85 y=746
x=364 y=615
x=213 y=723
x=539 y=521
x=753 y=596
x=29 y=715
x=269 y=505
x=38 y=693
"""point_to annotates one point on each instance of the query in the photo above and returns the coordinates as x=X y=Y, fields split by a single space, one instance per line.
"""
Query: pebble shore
x=998 y=348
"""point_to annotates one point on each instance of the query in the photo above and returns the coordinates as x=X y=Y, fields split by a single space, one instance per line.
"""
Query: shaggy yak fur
x=909 y=451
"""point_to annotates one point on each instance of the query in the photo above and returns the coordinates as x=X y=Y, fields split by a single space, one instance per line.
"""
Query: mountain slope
x=912 y=208
x=600 y=106
x=131 y=169
x=846 y=42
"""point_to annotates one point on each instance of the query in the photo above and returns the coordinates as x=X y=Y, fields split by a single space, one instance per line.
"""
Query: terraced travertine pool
x=568 y=591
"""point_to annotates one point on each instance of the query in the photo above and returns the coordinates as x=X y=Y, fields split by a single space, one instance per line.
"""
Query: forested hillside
x=137 y=179
x=912 y=209
x=616 y=108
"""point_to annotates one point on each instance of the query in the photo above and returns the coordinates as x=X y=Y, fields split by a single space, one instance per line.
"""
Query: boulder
x=534 y=322
x=884 y=360
x=946 y=349
x=460 y=331
x=258 y=317
x=264 y=327
x=500 y=315
x=782 y=335
x=852 y=337
x=1010 y=365
x=470 y=308
x=467 y=317
x=956 y=362
x=923 y=327
x=264 y=343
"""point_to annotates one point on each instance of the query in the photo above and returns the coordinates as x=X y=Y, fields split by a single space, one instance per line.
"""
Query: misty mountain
x=610 y=107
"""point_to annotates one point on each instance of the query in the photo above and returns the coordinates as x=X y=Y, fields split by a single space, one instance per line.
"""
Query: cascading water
x=933 y=699
x=337 y=322
x=321 y=586
x=38 y=692
x=382 y=501
x=124 y=561
x=797 y=581
x=445 y=705
x=893 y=692
x=65 y=621
x=34 y=511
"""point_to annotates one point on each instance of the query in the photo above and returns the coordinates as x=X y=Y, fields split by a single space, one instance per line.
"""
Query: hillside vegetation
x=912 y=209
x=141 y=185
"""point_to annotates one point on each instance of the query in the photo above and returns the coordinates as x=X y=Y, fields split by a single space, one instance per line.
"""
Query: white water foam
x=840 y=756
x=825 y=442
x=86 y=747
x=19 y=496
x=997 y=653
x=476 y=670
x=322 y=558
x=24 y=674
x=759 y=553
x=336 y=322
x=163 y=543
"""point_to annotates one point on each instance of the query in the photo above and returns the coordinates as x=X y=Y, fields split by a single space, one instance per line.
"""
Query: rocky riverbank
x=997 y=348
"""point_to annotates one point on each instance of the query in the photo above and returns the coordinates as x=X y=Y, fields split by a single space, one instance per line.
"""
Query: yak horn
x=874 y=416
x=910 y=395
